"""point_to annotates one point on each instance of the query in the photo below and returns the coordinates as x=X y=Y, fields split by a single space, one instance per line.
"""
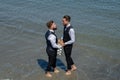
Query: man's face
x=65 y=22
x=53 y=26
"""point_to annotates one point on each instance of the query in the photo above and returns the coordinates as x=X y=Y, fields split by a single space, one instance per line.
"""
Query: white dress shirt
x=72 y=36
x=52 y=39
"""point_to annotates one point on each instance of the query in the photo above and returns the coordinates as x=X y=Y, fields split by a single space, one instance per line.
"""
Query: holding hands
x=61 y=42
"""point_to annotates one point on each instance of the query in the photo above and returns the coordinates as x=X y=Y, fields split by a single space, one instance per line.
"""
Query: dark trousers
x=51 y=59
x=68 y=51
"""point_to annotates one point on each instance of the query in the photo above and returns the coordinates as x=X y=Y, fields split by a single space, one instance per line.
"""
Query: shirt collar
x=51 y=30
x=68 y=25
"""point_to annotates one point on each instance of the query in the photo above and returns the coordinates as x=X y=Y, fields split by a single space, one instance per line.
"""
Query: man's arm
x=52 y=39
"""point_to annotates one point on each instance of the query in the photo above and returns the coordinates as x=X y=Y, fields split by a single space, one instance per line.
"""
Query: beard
x=54 y=28
x=64 y=24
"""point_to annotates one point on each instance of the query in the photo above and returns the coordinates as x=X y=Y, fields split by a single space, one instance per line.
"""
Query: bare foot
x=73 y=68
x=56 y=70
x=48 y=75
x=68 y=73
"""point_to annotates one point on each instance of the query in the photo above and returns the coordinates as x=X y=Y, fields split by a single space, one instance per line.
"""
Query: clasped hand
x=61 y=42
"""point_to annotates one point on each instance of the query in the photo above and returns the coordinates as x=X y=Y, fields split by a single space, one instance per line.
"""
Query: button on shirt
x=52 y=39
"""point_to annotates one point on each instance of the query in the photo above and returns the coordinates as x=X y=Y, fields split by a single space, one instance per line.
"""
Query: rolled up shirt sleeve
x=52 y=39
x=72 y=36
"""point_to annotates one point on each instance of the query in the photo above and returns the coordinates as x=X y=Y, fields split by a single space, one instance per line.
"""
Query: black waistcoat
x=49 y=45
x=66 y=36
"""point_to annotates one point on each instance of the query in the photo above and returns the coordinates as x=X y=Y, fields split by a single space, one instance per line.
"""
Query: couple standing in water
x=53 y=44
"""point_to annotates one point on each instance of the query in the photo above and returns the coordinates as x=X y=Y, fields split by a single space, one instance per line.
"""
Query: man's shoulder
x=51 y=37
x=71 y=28
x=47 y=33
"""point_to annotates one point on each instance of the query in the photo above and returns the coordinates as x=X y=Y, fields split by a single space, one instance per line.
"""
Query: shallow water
x=96 y=22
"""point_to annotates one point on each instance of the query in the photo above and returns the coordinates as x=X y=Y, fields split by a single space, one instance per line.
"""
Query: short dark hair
x=67 y=17
x=49 y=23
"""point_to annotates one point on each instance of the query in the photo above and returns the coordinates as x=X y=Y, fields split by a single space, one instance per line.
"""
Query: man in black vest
x=52 y=46
x=68 y=40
